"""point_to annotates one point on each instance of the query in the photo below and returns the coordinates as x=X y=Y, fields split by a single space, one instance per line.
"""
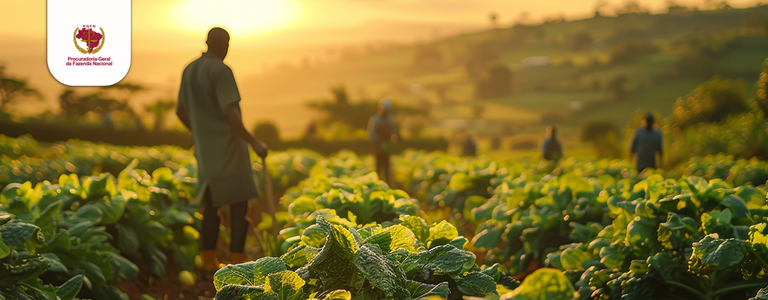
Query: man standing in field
x=209 y=107
x=382 y=131
x=646 y=143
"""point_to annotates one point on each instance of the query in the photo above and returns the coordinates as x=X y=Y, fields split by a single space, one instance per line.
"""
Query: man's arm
x=181 y=112
x=235 y=121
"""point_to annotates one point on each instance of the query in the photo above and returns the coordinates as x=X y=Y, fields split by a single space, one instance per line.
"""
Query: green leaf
x=250 y=273
x=333 y=265
x=737 y=206
x=642 y=236
x=98 y=187
x=489 y=235
x=128 y=270
x=47 y=219
x=15 y=234
x=4 y=249
x=240 y=292
x=476 y=284
x=54 y=263
x=574 y=257
x=109 y=292
x=286 y=285
x=295 y=258
x=712 y=253
x=445 y=258
x=441 y=234
x=338 y=295
x=420 y=290
x=313 y=236
x=544 y=284
x=717 y=221
x=111 y=209
x=69 y=289
x=381 y=273
x=155 y=259
x=393 y=238
x=127 y=241
x=417 y=226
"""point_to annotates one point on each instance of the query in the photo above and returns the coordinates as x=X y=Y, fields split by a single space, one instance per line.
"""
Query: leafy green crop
x=366 y=262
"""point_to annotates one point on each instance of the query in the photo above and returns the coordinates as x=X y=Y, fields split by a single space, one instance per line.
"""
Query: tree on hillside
x=495 y=84
x=604 y=135
x=580 y=40
x=494 y=18
x=13 y=88
x=762 y=89
x=712 y=101
x=618 y=87
x=267 y=132
x=160 y=109
x=480 y=56
x=356 y=115
x=74 y=105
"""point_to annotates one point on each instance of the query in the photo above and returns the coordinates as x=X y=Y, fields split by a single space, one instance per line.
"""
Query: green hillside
x=611 y=66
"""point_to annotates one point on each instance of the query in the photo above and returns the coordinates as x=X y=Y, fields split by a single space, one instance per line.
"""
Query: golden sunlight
x=241 y=17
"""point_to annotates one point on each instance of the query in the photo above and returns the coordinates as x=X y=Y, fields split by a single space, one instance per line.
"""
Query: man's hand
x=260 y=148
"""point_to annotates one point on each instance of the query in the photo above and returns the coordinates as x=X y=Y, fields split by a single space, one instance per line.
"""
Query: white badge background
x=113 y=16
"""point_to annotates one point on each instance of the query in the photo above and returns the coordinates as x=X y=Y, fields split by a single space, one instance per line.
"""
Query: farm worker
x=382 y=131
x=470 y=147
x=209 y=107
x=550 y=146
x=646 y=144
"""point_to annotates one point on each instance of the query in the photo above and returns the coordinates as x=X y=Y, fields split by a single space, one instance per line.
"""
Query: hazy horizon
x=169 y=34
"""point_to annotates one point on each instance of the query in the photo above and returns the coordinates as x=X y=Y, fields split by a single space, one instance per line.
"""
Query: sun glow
x=240 y=17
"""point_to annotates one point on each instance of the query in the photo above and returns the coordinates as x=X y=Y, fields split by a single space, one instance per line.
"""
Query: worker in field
x=383 y=132
x=469 y=148
x=646 y=145
x=209 y=107
x=550 y=147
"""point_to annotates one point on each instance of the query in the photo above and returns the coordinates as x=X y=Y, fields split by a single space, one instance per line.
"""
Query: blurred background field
x=505 y=80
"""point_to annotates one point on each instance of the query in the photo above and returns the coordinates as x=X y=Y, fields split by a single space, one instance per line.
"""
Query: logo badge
x=92 y=40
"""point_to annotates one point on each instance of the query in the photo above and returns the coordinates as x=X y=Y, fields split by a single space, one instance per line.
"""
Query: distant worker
x=383 y=132
x=470 y=147
x=550 y=147
x=311 y=133
x=646 y=143
x=209 y=107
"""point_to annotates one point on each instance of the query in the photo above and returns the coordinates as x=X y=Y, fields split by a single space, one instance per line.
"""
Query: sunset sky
x=167 y=34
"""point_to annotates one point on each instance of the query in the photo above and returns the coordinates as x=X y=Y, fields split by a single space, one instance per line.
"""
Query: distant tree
x=355 y=115
x=580 y=40
x=496 y=83
x=12 y=88
x=696 y=64
x=267 y=132
x=618 y=87
x=604 y=136
x=762 y=89
x=712 y=101
x=160 y=109
x=632 y=51
x=480 y=56
x=493 y=17
x=340 y=94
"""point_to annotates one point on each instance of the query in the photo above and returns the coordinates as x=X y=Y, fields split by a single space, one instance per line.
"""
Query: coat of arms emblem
x=93 y=40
